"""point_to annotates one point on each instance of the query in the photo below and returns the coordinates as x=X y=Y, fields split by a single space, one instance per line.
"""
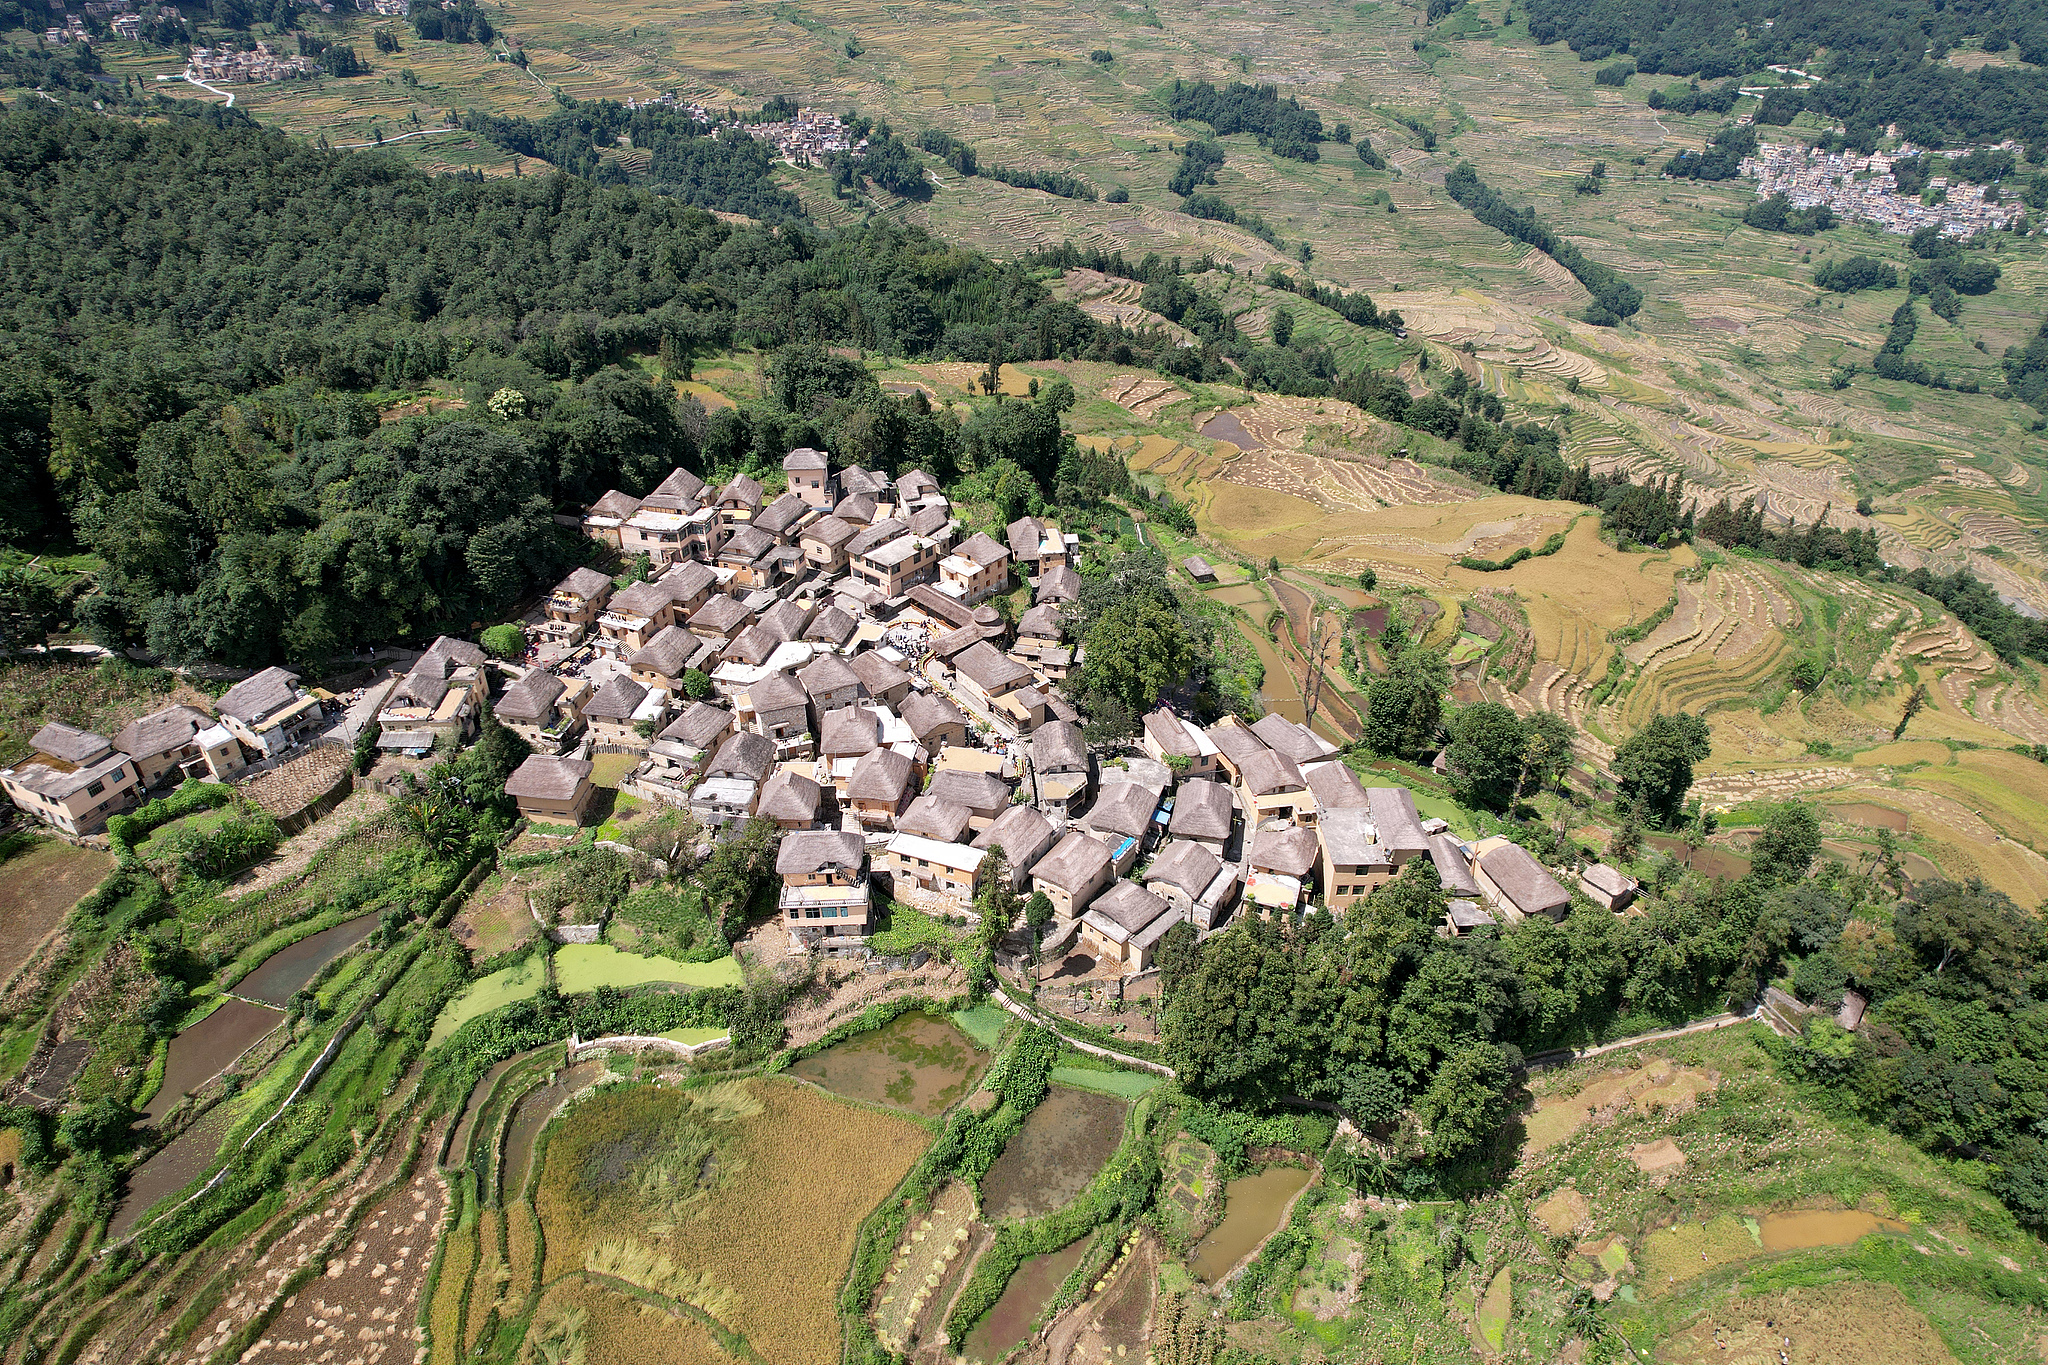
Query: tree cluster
x=729 y=172
x=1953 y=1052
x=1722 y=160
x=1282 y=125
x=1776 y=214
x=1817 y=546
x=1414 y=1036
x=1614 y=298
x=1858 y=272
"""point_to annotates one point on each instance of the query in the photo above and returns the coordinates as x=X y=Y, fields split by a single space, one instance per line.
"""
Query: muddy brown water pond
x=180 y=1163
x=208 y=1048
x=1054 y=1155
x=285 y=972
x=1873 y=816
x=1708 y=862
x=916 y=1061
x=1801 y=1228
x=1225 y=426
x=1252 y=1207
x=531 y=1115
x=1029 y=1291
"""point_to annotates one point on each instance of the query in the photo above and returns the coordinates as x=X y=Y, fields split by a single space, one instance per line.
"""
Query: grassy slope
x=1386 y=1281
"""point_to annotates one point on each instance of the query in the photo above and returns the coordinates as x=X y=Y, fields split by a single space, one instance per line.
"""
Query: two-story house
x=1168 y=736
x=978 y=568
x=824 y=885
x=781 y=711
x=636 y=614
x=73 y=780
x=1124 y=925
x=1024 y=836
x=880 y=680
x=268 y=712
x=163 y=742
x=552 y=790
x=810 y=477
x=443 y=693
x=879 y=786
x=575 y=603
x=1072 y=873
x=824 y=543
x=1354 y=862
x=934 y=720
x=1204 y=812
x=544 y=710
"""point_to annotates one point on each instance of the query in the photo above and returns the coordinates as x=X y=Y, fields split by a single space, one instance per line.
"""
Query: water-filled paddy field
x=1054 y=1156
x=916 y=1062
x=1253 y=1206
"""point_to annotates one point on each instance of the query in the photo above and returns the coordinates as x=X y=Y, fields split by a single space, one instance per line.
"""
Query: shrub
x=506 y=641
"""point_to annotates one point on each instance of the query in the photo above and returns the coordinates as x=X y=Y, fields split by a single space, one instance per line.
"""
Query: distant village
x=829 y=660
x=1861 y=188
x=809 y=137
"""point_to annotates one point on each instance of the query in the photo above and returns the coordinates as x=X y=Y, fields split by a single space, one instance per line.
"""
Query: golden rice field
x=693 y=1197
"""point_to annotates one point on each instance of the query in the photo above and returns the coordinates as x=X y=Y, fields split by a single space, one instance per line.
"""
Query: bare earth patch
x=1563 y=1211
x=36 y=889
x=1661 y=1155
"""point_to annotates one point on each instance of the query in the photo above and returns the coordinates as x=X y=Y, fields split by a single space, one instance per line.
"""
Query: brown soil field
x=1562 y=1112
x=1871 y=1324
x=36 y=889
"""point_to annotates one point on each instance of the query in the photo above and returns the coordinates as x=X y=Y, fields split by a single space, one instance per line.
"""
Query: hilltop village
x=1861 y=188
x=830 y=661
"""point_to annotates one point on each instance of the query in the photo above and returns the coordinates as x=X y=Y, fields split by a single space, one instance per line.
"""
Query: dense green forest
x=192 y=306
x=1281 y=125
x=685 y=161
x=1885 y=64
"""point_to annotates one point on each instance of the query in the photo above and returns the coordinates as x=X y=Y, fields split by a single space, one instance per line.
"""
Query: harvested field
x=758 y=1251
x=37 y=887
x=1872 y=1324
x=365 y=1310
x=924 y=1261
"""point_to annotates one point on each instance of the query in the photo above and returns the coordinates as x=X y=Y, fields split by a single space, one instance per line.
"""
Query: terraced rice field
x=756 y=1251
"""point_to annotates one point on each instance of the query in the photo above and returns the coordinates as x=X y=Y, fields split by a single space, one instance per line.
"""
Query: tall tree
x=1655 y=764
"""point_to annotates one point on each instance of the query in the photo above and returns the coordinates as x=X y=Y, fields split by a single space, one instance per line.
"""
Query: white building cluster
x=265 y=63
x=811 y=136
x=1860 y=187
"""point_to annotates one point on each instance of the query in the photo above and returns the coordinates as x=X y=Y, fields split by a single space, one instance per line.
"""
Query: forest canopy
x=182 y=376
x=1886 y=64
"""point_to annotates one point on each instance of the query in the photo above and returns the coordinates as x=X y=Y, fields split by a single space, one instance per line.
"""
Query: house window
x=95 y=788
